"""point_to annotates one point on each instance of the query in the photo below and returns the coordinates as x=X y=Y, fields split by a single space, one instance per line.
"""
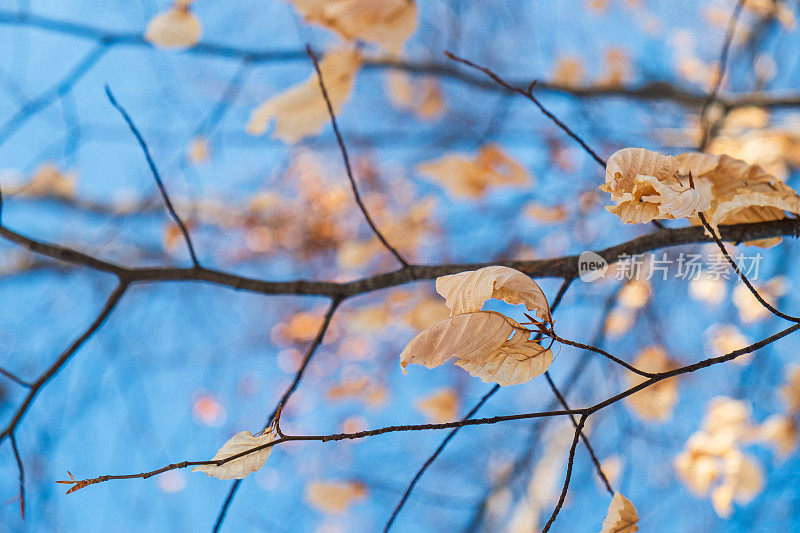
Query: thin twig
x=433 y=458
x=769 y=307
x=528 y=93
x=347 y=165
x=570 y=462
x=62 y=360
x=156 y=175
x=723 y=63
x=21 y=469
x=585 y=412
x=565 y=405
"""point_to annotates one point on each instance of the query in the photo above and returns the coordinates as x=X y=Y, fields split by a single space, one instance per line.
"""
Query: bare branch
x=156 y=175
x=347 y=165
x=723 y=63
x=528 y=93
x=570 y=461
x=595 y=461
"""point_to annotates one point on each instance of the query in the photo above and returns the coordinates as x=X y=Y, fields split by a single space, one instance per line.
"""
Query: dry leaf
x=467 y=176
x=198 y=150
x=467 y=291
x=423 y=97
x=441 y=406
x=790 y=391
x=241 y=467
x=657 y=401
x=334 y=496
x=176 y=28
x=546 y=214
x=388 y=23
x=647 y=185
x=781 y=433
x=480 y=341
x=48 y=180
x=569 y=71
x=301 y=110
x=739 y=192
x=621 y=516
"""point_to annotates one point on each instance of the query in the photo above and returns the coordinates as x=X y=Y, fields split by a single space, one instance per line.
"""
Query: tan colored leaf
x=569 y=71
x=545 y=213
x=301 y=110
x=657 y=401
x=480 y=342
x=467 y=291
x=48 y=180
x=739 y=192
x=519 y=360
x=790 y=391
x=334 y=496
x=468 y=176
x=388 y=23
x=441 y=406
x=198 y=150
x=625 y=165
x=676 y=200
x=781 y=433
x=423 y=97
x=242 y=466
x=176 y=28
x=621 y=516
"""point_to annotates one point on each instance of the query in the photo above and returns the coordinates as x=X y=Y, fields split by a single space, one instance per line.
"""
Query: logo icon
x=591 y=266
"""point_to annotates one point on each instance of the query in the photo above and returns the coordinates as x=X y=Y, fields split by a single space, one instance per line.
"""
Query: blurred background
x=181 y=367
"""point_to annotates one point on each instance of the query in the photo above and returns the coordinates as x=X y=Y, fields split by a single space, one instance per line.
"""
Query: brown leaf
x=388 y=23
x=480 y=342
x=467 y=291
x=175 y=28
x=621 y=516
x=467 y=176
x=334 y=496
x=301 y=111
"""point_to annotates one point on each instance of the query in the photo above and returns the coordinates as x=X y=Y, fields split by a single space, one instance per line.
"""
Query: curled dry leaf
x=176 y=28
x=467 y=291
x=240 y=467
x=740 y=192
x=647 y=185
x=334 y=496
x=655 y=403
x=468 y=176
x=387 y=23
x=480 y=342
x=621 y=516
x=301 y=110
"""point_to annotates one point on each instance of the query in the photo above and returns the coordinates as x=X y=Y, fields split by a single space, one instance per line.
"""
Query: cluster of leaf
x=647 y=185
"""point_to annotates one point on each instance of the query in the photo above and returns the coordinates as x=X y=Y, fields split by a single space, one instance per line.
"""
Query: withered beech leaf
x=301 y=111
x=471 y=176
x=480 y=342
x=387 y=23
x=242 y=466
x=621 y=516
x=647 y=185
x=175 y=28
x=654 y=403
x=334 y=496
x=467 y=291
